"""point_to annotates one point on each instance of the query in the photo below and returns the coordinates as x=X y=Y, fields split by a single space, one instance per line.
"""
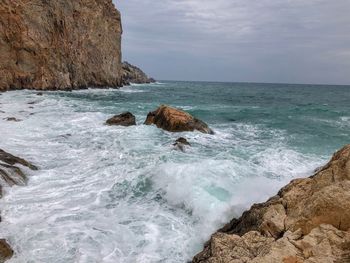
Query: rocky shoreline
x=11 y=174
x=307 y=221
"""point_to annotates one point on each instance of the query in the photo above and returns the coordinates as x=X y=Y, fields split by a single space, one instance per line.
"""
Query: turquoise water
x=123 y=194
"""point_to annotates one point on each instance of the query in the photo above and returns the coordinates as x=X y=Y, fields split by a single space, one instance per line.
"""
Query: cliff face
x=59 y=44
x=307 y=221
x=133 y=74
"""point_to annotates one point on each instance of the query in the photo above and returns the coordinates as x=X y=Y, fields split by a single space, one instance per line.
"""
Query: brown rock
x=181 y=143
x=174 y=120
x=59 y=44
x=12 y=119
x=124 y=119
x=307 y=221
x=133 y=74
x=6 y=251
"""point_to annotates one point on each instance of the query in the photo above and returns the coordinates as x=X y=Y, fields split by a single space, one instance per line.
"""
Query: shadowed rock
x=124 y=119
x=174 y=120
x=307 y=221
x=12 y=160
x=6 y=251
x=181 y=144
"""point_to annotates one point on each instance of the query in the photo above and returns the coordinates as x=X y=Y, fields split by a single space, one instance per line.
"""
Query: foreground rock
x=6 y=251
x=11 y=175
x=59 y=44
x=133 y=74
x=175 y=120
x=307 y=221
x=124 y=119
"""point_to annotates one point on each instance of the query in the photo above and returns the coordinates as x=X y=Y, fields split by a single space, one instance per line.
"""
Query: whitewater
x=124 y=194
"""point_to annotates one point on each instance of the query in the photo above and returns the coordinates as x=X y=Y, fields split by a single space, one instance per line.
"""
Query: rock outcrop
x=174 y=120
x=11 y=175
x=307 y=221
x=133 y=74
x=124 y=119
x=181 y=143
x=59 y=44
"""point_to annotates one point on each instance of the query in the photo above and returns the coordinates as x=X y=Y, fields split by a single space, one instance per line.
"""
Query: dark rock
x=6 y=251
x=124 y=119
x=12 y=160
x=181 y=143
x=133 y=74
x=12 y=175
x=174 y=120
x=12 y=119
x=40 y=94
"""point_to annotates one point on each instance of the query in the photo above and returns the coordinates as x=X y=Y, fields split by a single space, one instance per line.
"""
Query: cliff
x=307 y=221
x=133 y=74
x=59 y=44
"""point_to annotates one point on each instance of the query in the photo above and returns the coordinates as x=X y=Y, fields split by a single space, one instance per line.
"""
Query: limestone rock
x=175 y=120
x=124 y=119
x=133 y=74
x=307 y=221
x=59 y=44
x=6 y=251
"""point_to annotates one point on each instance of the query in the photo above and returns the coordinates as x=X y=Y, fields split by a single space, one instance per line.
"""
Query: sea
x=126 y=194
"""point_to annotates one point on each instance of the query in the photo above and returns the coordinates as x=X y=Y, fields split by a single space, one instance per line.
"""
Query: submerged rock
x=133 y=74
x=307 y=221
x=6 y=251
x=59 y=44
x=181 y=143
x=175 y=120
x=124 y=119
x=12 y=119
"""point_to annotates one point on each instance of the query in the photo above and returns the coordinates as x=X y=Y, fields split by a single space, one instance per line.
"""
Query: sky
x=275 y=41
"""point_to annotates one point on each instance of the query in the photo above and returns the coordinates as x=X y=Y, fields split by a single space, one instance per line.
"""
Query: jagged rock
x=181 y=143
x=11 y=175
x=124 y=119
x=12 y=160
x=12 y=119
x=133 y=74
x=6 y=251
x=175 y=120
x=59 y=44
x=307 y=221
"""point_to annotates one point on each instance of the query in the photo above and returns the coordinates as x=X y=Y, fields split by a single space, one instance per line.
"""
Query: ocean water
x=124 y=194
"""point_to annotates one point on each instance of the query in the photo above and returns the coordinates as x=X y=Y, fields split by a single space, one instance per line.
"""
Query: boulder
x=181 y=143
x=174 y=120
x=124 y=119
x=12 y=160
x=307 y=221
x=6 y=251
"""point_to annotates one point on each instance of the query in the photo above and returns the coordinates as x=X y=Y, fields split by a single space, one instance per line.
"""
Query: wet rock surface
x=307 y=221
x=6 y=251
x=124 y=119
x=175 y=120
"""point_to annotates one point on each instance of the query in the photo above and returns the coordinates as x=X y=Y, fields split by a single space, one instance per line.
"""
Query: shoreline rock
x=124 y=119
x=11 y=175
x=60 y=45
x=307 y=221
x=133 y=74
x=175 y=120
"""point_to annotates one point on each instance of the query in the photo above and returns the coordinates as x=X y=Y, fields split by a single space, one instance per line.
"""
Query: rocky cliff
x=59 y=44
x=133 y=74
x=307 y=221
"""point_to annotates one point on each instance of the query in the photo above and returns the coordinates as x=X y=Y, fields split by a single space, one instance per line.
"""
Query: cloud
x=239 y=40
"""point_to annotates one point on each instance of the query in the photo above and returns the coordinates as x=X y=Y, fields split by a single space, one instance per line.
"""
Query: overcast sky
x=293 y=41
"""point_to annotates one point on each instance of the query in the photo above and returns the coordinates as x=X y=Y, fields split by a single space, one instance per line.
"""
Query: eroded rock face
x=124 y=119
x=175 y=120
x=307 y=221
x=59 y=44
x=133 y=74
